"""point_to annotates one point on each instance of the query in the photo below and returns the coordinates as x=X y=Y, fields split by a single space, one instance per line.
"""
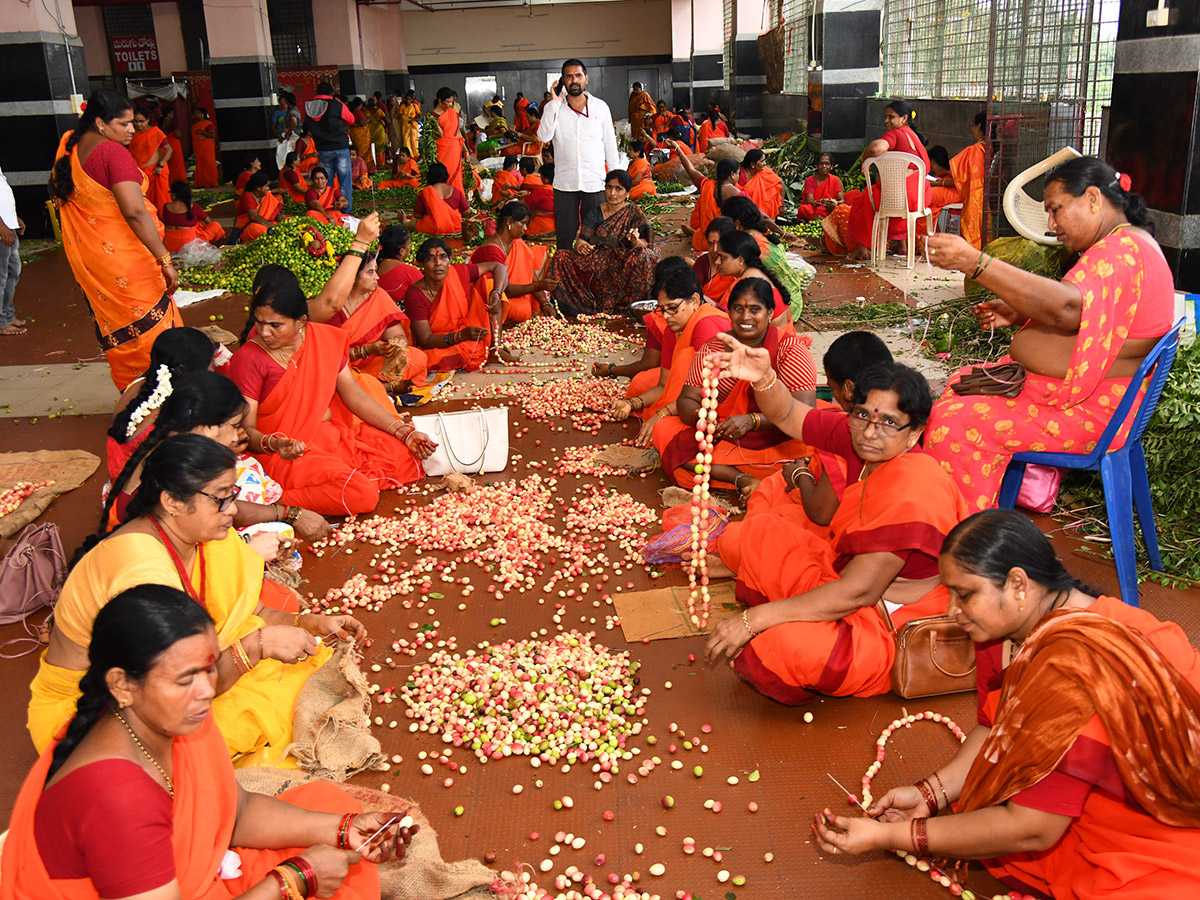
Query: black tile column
x=38 y=75
x=708 y=72
x=747 y=85
x=1154 y=124
x=848 y=52
x=242 y=88
x=357 y=81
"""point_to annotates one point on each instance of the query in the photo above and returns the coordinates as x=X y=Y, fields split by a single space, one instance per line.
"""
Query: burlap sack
x=423 y=874
x=68 y=469
x=677 y=496
x=724 y=148
x=393 y=366
x=219 y=335
x=455 y=483
x=632 y=459
x=331 y=727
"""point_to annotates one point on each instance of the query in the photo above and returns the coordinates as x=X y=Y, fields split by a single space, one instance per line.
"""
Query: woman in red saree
x=152 y=152
x=138 y=796
x=404 y=172
x=291 y=180
x=360 y=177
x=112 y=236
x=186 y=221
x=324 y=201
x=395 y=275
x=763 y=186
x=258 y=209
x=1081 y=339
x=1073 y=784
x=539 y=195
x=850 y=232
x=440 y=207
x=748 y=446
x=455 y=326
x=329 y=444
x=822 y=191
x=689 y=323
x=528 y=288
x=354 y=300
x=204 y=148
x=449 y=142
x=812 y=626
x=639 y=172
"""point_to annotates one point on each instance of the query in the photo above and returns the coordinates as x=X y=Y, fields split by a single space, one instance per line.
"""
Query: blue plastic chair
x=1122 y=472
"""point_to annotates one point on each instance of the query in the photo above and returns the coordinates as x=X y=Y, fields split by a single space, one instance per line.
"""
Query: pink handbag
x=31 y=577
x=1040 y=487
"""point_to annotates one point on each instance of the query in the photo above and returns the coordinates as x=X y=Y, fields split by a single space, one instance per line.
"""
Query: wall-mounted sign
x=135 y=53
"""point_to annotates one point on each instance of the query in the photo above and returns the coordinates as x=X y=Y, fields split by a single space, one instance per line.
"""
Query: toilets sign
x=135 y=53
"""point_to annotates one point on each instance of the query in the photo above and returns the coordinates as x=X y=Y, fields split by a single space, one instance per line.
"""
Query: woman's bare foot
x=747 y=485
x=20 y=323
x=12 y=330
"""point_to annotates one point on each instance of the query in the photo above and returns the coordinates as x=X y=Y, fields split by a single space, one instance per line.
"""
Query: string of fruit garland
x=12 y=498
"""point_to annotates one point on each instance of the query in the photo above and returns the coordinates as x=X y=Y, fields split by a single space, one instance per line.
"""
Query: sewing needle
x=386 y=825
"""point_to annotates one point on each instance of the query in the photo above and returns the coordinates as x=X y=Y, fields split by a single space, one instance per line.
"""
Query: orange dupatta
x=766 y=190
x=269 y=208
x=143 y=146
x=408 y=176
x=176 y=167
x=680 y=361
x=123 y=283
x=707 y=209
x=968 y=171
x=204 y=146
x=523 y=262
x=646 y=186
x=298 y=191
x=454 y=310
x=331 y=215
x=368 y=323
x=504 y=185
x=718 y=289
x=440 y=217
x=450 y=148
x=204 y=812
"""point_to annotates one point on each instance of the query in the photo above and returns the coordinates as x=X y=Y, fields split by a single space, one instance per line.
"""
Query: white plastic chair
x=1025 y=214
x=893 y=170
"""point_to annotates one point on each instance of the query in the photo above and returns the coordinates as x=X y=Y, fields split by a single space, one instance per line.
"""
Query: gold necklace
x=149 y=756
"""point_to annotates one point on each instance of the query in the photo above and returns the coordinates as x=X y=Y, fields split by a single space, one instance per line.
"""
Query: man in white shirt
x=585 y=148
x=10 y=260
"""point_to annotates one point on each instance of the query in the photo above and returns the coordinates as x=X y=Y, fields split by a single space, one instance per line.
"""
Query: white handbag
x=470 y=441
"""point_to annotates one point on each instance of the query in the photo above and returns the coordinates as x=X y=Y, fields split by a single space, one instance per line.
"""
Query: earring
x=1095 y=208
x=1021 y=602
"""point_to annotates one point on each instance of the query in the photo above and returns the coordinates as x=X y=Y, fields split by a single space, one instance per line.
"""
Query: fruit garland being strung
x=12 y=498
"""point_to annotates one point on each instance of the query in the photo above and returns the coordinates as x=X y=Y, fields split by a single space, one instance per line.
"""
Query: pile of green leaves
x=1172 y=445
x=669 y=187
x=283 y=245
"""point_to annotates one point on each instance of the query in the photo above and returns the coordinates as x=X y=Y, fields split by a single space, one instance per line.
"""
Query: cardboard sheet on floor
x=663 y=612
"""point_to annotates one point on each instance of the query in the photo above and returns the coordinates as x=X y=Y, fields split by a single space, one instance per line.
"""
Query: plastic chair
x=1122 y=472
x=1025 y=214
x=893 y=169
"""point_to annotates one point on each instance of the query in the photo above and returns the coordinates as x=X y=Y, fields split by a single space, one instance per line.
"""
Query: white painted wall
x=89 y=20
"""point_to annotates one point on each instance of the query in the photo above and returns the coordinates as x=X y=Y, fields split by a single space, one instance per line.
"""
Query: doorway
x=480 y=89
x=649 y=81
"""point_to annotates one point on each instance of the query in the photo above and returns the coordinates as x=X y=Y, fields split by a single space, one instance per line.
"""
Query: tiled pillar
x=1154 y=123
x=749 y=78
x=350 y=44
x=850 y=73
x=697 y=54
x=40 y=68
x=243 y=82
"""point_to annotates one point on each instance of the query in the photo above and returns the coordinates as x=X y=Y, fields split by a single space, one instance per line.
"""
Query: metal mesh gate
x=796 y=51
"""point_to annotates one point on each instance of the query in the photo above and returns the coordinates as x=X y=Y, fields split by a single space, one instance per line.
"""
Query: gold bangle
x=762 y=388
x=165 y=260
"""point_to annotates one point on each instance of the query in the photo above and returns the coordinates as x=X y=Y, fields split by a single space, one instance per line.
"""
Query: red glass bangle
x=283 y=888
x=307 y=873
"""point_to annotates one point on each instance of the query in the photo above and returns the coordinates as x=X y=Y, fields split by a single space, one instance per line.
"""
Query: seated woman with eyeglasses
x=179 y=533
x=812 y=625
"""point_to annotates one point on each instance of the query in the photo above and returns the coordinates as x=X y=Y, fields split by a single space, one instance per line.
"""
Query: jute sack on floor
x=331 y=727
x=422 y=874
x=68 y=469
x=632 y=459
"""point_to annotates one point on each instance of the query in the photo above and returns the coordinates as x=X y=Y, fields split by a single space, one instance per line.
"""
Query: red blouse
x=111 y=163
x=417 y=304
x=256 y=373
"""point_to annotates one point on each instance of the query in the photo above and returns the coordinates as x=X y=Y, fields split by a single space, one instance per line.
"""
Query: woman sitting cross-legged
x=258 y=209
x=324 y=201
x=748 y=446
x=690 y=323
x=449 y=320
x=643 y=372
x=186 y=221
x=812 y=626
x=611 y=264
x=1082 y=778
x=179 y=533
x=440 y=206
x=138 y=799
x=354 y=301
x=1081 y=339
x=315 y=431
x=528 y=287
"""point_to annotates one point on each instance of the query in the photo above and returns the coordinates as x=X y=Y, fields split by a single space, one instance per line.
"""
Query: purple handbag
x=31 y=577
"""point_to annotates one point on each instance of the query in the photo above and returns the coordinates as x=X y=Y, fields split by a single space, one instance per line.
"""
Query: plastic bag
x=198 y=253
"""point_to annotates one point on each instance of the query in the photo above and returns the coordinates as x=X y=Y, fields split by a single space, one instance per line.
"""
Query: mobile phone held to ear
x=558 y=87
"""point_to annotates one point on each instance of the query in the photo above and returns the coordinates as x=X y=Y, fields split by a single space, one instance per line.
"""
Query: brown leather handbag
x=996 y=380
x=934 y=656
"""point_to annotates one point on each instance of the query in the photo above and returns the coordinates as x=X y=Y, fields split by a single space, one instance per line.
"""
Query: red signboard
x=136 y=53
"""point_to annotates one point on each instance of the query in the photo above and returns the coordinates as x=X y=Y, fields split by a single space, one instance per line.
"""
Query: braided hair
x=204 y=399
x=102 y=106
x=183 y=351
x=131 y=632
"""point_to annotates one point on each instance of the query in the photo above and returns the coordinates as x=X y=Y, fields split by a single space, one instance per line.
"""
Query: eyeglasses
x=671 y=310
x=222 y=502
x=860 y=419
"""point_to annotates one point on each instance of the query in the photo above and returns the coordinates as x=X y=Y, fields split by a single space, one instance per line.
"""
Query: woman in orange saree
x=449 y=142
x=176 y=162
x=710 y=128
x=186 y=221
x=506 y=183
x=455 y=327
x=528 y=288
x=315 y=431
x=112 y=236
x=152 y=152
x=1072 y=784
x=713 y=192
x=354 y=300
x=1081 y=338
x=812 y=626
x=969 y=168
x=639 y=172
x=822 y=191
x=521 y=117
x=258 y=208
x=763 y=186
x=440 y=207
x=324 y=201
x=404 y=172
x=204 y=148
x=539 y=196
x=291 y=180
x=748 y=447
x=359 y=176
x=306 y=156
x=138 y=796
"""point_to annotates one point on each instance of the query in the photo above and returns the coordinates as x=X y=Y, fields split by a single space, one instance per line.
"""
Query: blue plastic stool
x=1122 y=472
